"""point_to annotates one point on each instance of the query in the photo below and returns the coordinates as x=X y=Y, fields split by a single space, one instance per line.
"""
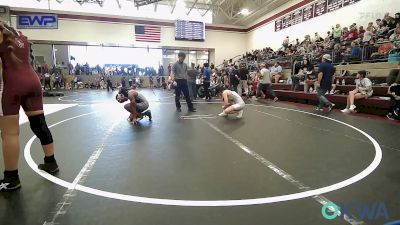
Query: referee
x=179 y=75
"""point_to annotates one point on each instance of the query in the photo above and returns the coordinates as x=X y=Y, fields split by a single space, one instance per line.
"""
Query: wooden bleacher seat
x=378 y=101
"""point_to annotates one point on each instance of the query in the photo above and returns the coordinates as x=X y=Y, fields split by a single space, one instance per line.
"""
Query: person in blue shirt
x=206 y=81
x=326 y=74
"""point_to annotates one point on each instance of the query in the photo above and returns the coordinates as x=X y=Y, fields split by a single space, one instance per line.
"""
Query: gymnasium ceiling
x=227 y=12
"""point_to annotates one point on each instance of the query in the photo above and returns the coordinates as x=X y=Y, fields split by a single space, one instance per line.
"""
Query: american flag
x=147 y=33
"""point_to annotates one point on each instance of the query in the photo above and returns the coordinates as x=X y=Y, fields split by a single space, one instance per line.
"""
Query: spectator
x=396 y=35
x=296 y=75
x=243 y=75
x=391 y=22
x=328 y=35
x=363 y=91
x=207 y=81
x=234 y=79
x=352 y=34
x=285 y=43
x=123 y=82
x=345 y=34
x=383 y=51
x=383 y=29
x=337 y=33
x=337 y=52
x=378 y=23
x=371 y=27
x=310 y=76
x=394 y=92
x=276 y=72
x=192 y=75
x=225 y=63
x=316 y=38
x=361 y=32
x=265 y=87
x=355 y=53
x=397 y=18
x=367 y=35
x=169 y=69
x=47 y=81
x=109 y=83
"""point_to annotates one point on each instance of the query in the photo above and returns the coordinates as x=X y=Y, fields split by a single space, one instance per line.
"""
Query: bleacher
x=379 y=103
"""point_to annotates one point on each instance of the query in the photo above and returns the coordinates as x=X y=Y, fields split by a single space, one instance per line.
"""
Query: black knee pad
x=40 y=129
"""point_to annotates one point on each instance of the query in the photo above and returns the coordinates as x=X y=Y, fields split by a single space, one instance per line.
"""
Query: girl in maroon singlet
x=20 y=87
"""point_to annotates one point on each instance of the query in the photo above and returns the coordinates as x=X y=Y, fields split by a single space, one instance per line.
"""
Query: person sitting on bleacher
x=310 y=76
x=363 y=91
x=383 y=51
x=276 y=72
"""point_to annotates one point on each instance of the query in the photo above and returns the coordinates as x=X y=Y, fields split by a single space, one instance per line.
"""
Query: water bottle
x=311 y=89
x=343 y=82
x=337 y=81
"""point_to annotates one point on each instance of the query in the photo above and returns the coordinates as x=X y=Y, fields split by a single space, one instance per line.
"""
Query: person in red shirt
x=20 y=87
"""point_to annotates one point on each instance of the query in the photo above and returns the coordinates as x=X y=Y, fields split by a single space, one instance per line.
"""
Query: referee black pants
x=182 y=87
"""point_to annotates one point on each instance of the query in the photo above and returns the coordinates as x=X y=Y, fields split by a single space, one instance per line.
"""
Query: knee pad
x=40 y=129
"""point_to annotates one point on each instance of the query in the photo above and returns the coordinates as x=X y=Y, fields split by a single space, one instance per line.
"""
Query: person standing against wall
x=234 y=78
x=207 y=81
x=109 y=84
x=192 y=75
x=179 y=77
x=325 y=79
x=243 y=75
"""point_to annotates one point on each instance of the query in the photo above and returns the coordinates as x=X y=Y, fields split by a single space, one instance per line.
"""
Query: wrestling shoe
x=9 y=184
x=240 y=114
x=223 y=114
x=331 y=106
x=49 y=167
x=148 y=114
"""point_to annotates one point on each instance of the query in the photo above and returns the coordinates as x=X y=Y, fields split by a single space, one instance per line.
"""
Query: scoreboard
x=189 y=30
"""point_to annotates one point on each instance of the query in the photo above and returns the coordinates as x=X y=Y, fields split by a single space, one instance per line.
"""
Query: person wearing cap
x=179 y=78
x=326 y=74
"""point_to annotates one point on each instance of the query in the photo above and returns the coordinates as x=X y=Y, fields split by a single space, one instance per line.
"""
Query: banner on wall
x=308 y=12
x=320 y=7
x=334 y=5
x=287 y=21
x=349 y=2
x=278 y=25
x=297 y=17
x=5 y=14
x=315 y=9
x=37 y=21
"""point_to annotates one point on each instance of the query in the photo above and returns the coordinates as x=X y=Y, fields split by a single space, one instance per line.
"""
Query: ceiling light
x=245 y=11
x=176 y=51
